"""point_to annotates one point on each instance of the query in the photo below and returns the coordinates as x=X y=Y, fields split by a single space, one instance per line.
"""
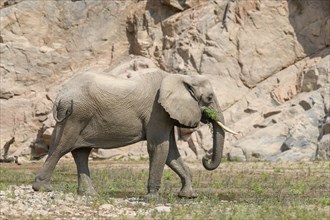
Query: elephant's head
x=186 y=99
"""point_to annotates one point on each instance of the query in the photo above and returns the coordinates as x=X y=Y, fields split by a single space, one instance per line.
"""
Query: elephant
x=98 y=110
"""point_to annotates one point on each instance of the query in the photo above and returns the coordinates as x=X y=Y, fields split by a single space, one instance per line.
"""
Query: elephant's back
x=93 y=83
x=99 y=88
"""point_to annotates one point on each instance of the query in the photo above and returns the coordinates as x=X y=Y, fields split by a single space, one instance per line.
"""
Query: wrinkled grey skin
x=102 y=111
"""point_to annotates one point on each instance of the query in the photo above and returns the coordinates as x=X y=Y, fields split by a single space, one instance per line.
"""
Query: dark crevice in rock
x=250 y=111
x=268 y=114
x=305 y=105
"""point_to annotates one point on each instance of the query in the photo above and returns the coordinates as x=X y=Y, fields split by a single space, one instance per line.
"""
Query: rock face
x=268 y=62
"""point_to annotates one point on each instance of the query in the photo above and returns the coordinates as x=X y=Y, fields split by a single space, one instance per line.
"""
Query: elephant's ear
x=177 y=98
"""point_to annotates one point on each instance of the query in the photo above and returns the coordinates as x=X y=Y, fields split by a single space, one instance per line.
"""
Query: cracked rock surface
x=268 y=62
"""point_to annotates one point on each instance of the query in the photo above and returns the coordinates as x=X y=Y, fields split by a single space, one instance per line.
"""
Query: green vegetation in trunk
x=210 y=114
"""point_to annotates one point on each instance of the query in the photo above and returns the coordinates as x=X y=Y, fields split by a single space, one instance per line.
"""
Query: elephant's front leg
x=85 y=186
x=158 y=151
x=175 y=162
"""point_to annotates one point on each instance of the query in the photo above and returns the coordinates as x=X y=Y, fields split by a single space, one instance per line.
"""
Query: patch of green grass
x=168 y=175
x=265 y=176
x=256 y=187
x=297 y=189
x=277 y=169
x=325 y=201
x=14 y=177
x=217 y=185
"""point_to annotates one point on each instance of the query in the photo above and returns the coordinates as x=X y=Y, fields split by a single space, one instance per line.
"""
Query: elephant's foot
x=154 y=198
x=89 y=192
x=187 y=193
x=85 y=186
x=42 y=185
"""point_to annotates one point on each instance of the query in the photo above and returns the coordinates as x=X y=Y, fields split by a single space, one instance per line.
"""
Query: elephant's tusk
x=225 y=128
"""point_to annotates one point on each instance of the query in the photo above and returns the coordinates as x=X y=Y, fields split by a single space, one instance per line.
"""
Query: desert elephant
x=96 y=110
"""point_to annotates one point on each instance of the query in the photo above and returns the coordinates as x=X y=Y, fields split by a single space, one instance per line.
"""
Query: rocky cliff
x=268 y=61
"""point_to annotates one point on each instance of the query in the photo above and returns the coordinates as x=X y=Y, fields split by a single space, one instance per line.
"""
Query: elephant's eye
x=210 y=98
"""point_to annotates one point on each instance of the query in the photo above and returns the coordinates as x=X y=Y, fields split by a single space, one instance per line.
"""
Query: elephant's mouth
x=209 y=115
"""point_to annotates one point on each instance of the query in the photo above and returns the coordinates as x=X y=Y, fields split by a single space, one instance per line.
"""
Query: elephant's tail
x=62 y=109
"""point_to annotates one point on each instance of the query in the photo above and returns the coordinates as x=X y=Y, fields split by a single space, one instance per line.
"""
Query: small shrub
x=297 y=189
x=325 y=201
x=256 y=187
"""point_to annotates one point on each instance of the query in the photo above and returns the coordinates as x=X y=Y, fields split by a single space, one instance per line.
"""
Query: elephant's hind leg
x=62 y=142
x=175 y=162
x=42 y=180
x=85 y=186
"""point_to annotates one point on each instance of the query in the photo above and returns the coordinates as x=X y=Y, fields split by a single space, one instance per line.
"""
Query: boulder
x=323 y=148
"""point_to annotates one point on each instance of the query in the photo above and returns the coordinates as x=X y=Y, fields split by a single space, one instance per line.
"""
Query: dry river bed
x=19 y=201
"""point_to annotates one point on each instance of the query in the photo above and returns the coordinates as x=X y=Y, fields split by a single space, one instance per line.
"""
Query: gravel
x=21 y=201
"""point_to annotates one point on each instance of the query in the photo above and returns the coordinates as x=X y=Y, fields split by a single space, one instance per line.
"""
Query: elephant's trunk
x=213 y=161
